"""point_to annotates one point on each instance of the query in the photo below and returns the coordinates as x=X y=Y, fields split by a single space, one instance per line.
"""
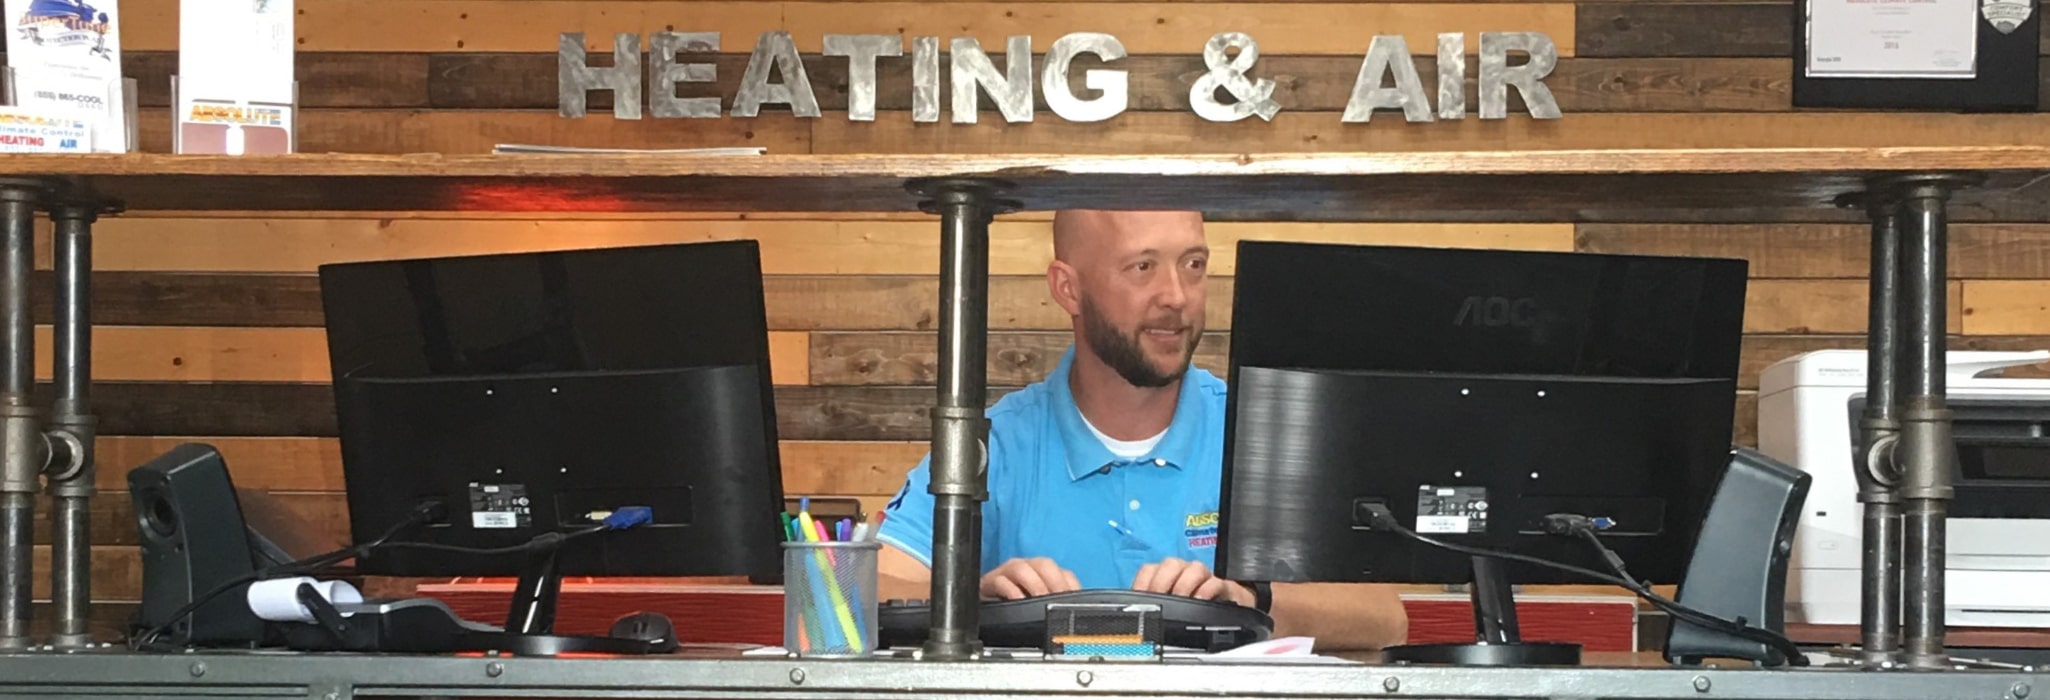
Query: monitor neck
x=1494 y=603
x=534 y=597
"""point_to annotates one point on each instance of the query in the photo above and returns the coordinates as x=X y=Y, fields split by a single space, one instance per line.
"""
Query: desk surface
x=118 y=674
x=1446 y=185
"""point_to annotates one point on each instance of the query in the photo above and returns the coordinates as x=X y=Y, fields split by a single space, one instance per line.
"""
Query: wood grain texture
x=1157 y=27
x=192 y=299
x=1016 y=358
x=794 y=302
x=314 y=464
x=1977 y=251
x=261 y=463
x=1690 y=29
x=199 y=354
x=406 y=131
x=1657 y=181
x=1165 y=133
x=271 y=409
x=2006 y=307
x=874 y=414
x=1821 y=306
x=1160 y=83
x=1745 y=430
x=787 y=247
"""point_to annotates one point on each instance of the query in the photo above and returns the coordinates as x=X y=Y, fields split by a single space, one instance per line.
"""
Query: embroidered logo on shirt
x=1201 y=530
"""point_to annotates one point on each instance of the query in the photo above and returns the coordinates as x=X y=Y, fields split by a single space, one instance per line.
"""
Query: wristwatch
x=1263 y=596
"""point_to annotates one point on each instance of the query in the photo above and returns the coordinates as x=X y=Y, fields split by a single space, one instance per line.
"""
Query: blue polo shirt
x=1054 y=488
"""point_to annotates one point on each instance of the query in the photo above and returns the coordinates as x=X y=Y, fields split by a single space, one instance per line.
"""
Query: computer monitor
x=1469 y=393
x=526 y=392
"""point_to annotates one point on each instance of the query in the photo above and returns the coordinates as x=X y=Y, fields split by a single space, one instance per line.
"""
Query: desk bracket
x=30 y=450
x=960 y=449
x=1905 y=469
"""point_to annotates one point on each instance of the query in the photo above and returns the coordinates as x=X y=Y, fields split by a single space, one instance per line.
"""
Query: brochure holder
x=236 y=127
x=123 y=91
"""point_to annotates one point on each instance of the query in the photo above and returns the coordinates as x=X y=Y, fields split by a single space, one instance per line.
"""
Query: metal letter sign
x=755 y=88
x=665 y=72
x=1012 y=92
x=1496 y=74
x=1390 y=52
x=925 y=79
x=1252 y=96
x=574 y=77
x=1452 y=75
x=861 y=51
x=1225 y=90
x=1114 y=84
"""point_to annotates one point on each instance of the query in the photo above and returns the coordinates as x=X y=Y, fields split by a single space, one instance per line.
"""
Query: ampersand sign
x=1253 y=97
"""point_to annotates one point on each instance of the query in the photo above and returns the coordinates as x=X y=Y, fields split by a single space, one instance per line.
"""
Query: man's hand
x=1026 y=578
x=1189 y=579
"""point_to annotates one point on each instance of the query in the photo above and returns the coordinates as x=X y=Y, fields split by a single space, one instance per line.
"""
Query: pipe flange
x=1922 y=185
x=25 y=189
x=938 y=192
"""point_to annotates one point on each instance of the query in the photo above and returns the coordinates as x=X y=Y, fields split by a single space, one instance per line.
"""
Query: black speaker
x=1739 y=568
x=194 y=540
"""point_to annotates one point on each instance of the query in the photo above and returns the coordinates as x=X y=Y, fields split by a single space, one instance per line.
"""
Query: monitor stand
x=530 y=623
x=1494 y=618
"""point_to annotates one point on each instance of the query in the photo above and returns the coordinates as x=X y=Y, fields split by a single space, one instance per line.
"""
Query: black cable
x=1735 y=627
x=426 y=512
x=419 y=515
x=1382 y=518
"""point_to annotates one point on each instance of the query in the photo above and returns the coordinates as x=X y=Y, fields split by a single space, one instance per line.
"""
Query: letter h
x=574 y=77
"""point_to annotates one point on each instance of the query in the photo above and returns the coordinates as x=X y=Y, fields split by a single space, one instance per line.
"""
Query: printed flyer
x=235 y=77
x=66 y=61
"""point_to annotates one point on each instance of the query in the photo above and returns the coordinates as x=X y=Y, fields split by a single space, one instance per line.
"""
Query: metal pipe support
x=960 y=450
x=1926 y=453
x=22 y=446
x=1877 y=476
x=72 y=426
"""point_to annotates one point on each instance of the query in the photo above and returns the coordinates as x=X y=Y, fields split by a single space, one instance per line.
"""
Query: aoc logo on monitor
x=1497 y=312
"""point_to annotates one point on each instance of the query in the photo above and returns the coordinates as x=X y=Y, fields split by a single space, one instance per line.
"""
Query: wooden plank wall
x=212 y=323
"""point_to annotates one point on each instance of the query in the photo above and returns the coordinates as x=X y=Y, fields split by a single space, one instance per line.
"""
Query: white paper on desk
x=1290 y=650
x=1893 y=38
x=66 y=61
x=277 y=599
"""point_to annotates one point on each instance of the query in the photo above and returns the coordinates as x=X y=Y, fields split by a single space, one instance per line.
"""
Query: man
x=1106 y=474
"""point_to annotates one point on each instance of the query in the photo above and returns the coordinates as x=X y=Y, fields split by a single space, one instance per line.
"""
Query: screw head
x=198 y=669
x=797 y=676
x=2020 y=690
x=1391 y=684
x=1701 y=684
x=1084 y=678
x=494 y=669
x=332 y=696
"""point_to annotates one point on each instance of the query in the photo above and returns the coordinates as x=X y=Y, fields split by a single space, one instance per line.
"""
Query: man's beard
x=1123 y=353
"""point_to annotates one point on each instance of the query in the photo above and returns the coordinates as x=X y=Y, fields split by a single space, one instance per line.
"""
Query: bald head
x=1093 y=234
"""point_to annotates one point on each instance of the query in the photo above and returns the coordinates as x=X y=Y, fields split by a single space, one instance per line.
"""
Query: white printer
x=1998 y=563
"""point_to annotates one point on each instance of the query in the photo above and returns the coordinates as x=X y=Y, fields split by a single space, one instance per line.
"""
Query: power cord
x=1380 y=518
x=1588 y=530
x=426 y=512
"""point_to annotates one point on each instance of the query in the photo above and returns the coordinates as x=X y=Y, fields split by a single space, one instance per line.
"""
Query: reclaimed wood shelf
x=1557 y=185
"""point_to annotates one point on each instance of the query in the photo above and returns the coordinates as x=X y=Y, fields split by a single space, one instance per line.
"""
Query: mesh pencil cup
x=829 y=598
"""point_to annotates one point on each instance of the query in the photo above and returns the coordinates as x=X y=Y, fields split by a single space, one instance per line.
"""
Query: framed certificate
x=1952 y=55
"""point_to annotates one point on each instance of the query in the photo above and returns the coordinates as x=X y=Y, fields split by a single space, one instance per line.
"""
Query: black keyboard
x=1194 y=624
